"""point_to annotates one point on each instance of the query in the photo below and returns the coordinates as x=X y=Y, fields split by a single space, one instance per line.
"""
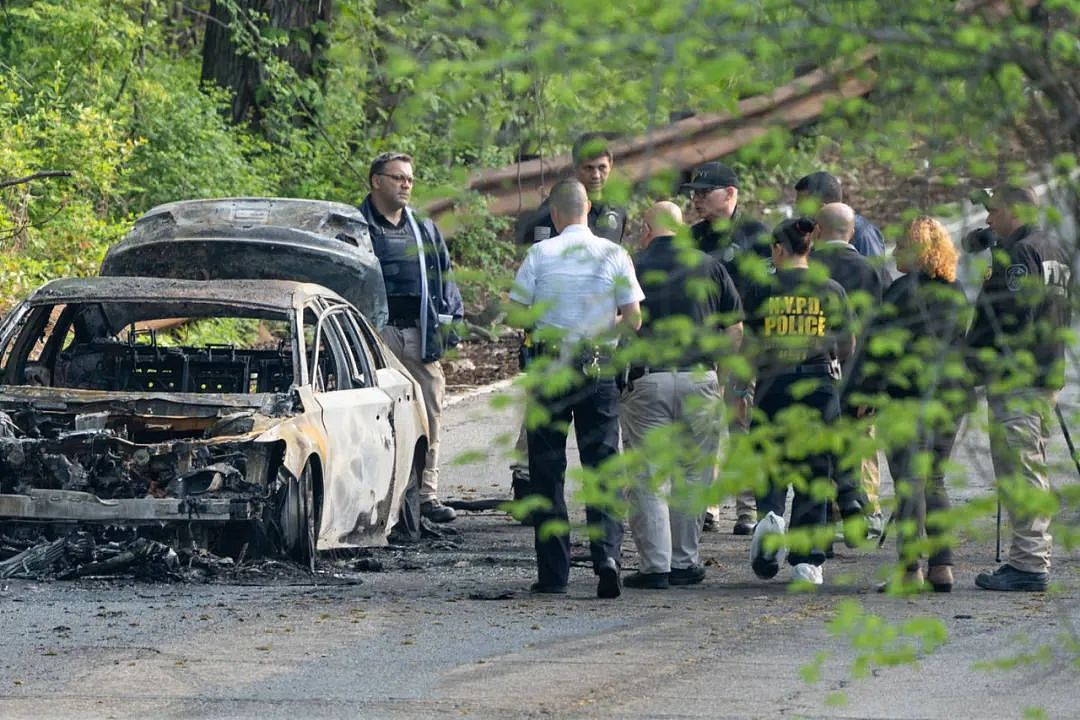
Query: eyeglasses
x=399 y=178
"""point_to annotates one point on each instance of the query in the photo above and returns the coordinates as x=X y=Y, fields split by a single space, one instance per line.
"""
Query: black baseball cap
x=712 y=175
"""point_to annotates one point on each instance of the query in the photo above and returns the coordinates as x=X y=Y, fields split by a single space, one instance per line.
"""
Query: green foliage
x=238 y=332
x=187 y=150
x=109 y=90
x=878 y=643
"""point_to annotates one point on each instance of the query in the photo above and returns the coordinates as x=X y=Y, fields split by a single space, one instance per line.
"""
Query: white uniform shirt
x=580 y=280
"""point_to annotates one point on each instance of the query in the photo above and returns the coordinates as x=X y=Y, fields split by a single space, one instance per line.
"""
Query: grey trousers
x=1019 y=431
x=745 y=501
x=663 y=519
x=405 y=344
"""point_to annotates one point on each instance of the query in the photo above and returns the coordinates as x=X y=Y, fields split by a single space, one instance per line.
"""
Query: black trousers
x=921 y=495
x=592 y=405
x=774 y=395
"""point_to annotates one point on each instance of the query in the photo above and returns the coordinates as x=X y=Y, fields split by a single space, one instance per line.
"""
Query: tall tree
x=244 y=38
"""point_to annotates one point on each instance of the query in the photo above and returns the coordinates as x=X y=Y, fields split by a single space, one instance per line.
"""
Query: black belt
x=647 y=370
x=815 y=369
x=400 y=322
x=580 y=354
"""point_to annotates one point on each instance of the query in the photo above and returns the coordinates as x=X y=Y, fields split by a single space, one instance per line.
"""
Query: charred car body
x=306 y=438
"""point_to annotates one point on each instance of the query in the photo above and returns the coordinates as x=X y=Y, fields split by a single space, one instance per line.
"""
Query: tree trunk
x=233 y=51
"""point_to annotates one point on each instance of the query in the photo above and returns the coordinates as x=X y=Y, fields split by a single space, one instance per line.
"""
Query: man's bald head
x=835 y=221
x=664 y=217
x=569 y=204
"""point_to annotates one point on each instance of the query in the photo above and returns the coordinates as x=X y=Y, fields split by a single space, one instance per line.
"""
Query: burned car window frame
x=91 y=324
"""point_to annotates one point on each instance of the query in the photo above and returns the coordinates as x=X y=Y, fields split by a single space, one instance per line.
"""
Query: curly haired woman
x=913 y=363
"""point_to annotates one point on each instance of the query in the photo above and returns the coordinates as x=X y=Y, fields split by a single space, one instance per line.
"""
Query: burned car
x=272 y=418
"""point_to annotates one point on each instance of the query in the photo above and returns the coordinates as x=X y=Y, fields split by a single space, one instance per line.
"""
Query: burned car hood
x=259 y=239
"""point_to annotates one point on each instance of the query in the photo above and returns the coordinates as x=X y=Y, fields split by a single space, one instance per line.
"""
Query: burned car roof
x=313 y=241
x=281 y=295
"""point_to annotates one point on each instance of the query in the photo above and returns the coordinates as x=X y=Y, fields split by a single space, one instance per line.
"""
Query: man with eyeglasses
x=725 y=233
x=421 y=298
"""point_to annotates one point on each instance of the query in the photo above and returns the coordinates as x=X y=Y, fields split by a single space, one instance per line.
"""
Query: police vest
x=396 y=249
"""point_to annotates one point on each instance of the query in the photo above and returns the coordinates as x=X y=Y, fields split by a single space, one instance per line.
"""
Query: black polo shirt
x=733 y=241
x=795 y=322
x=682 y=282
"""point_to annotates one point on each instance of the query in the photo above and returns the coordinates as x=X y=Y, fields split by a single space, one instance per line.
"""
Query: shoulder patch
x=541 y=232
x=1014 y=276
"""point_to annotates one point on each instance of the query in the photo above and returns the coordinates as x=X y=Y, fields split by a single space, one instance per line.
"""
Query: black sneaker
x=686 y=576
x=435 y=511
x=610 y=585
x=519 y=482
x=647 y=581
x=541 y=588
x=710 y=523
x=744 y=525
x=1007 y=577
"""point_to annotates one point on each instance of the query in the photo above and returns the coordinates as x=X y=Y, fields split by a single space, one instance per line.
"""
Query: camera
x=980 y=239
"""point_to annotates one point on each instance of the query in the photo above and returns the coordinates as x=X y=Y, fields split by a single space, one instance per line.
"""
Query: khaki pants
x=1019 y=431
x=871 y=478
x=405 y=344
x=665 y=525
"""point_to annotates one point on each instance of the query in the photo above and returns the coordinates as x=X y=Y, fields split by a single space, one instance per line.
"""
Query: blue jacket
x=867 y=239
x=444 y=297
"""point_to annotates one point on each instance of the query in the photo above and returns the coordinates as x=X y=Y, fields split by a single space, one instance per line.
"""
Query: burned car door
x=356 y=416
x=408 y=416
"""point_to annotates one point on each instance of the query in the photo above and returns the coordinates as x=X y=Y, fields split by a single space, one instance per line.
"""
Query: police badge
x=541 y=232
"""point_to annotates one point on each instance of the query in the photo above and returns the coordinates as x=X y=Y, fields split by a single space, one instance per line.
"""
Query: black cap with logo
x=712 y=175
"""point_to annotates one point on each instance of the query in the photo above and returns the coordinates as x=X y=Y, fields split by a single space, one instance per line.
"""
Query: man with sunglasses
x=421 y=298
x=725 y=233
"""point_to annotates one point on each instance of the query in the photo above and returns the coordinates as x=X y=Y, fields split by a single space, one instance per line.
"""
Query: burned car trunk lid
x=257 y=238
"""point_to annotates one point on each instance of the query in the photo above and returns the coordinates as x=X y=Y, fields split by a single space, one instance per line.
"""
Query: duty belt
x=587 y=360
x=637 y=371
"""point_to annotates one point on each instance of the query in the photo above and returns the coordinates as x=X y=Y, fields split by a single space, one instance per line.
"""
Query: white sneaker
x=764 y=561
x=807 y=573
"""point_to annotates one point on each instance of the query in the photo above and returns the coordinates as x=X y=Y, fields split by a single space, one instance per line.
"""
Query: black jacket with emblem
x=444 y=298
x=606 y=221
x=1022 y=313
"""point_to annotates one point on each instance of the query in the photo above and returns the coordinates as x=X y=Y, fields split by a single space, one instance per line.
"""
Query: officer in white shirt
x=584 y=292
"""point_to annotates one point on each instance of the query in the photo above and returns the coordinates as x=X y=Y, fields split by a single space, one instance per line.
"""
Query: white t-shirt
x=580 y=280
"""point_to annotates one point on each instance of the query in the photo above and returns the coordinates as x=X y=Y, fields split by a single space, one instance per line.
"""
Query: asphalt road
x=447 y=630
